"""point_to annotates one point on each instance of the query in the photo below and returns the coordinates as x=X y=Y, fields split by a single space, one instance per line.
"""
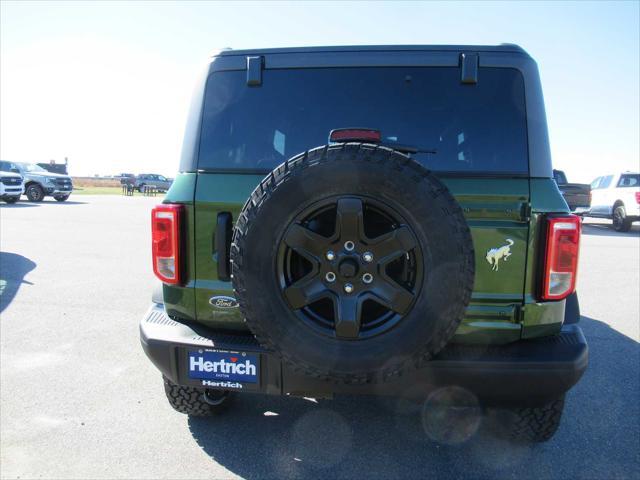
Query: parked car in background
x=153 y=180
x=39 y=183
x=11 y=186
x=577 y=195
x=617 y=197
x=126 y=178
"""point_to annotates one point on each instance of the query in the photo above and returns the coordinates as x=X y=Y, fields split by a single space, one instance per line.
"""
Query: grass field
x=98 y=191
x=94 y=182
x=105 y=191
x=96 y=186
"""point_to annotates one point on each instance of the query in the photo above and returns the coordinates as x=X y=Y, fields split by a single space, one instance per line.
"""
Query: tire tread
x=398 y=164
x=188 y=400
x=537 y=424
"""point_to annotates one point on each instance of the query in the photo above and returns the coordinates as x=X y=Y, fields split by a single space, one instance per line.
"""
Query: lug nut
x=349 y=245
x=348 y=287
x=367 y=257
x=330 y=277
x=330 y=255
x=367 y=278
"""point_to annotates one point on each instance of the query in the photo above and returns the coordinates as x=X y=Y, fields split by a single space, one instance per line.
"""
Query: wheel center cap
x=348 y=268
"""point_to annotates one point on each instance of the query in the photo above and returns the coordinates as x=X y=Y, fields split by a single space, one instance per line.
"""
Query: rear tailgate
x=496 y=210
x=476 y=126
x=217 y=195
x=577 y=195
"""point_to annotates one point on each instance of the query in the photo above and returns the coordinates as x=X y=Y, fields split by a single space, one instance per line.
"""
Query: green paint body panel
x=540 y=319
x=217 y=193
x=496 y=210
x=180 y=300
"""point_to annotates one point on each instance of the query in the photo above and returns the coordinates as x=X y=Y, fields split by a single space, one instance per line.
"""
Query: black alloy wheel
x=350 y=267
x=35 y=193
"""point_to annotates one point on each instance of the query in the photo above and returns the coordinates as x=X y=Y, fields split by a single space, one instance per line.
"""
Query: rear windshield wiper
x=408 y=148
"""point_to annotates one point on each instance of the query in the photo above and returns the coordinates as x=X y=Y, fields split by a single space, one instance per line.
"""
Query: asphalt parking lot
x=80 y=400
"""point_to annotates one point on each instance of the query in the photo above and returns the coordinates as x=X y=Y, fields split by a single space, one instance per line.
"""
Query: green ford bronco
x=368 y=220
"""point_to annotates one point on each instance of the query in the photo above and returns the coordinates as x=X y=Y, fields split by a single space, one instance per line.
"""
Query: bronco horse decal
x=494 y=255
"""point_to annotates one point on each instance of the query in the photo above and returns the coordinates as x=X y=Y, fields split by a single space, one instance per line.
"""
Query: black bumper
x=525 y=372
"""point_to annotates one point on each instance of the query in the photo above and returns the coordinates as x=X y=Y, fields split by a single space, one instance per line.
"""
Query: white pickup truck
x=11 y=186
x=616 y=197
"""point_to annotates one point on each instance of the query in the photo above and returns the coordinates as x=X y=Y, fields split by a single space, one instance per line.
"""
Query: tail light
x=561 y=260
x=166 y=221
x=637 y=197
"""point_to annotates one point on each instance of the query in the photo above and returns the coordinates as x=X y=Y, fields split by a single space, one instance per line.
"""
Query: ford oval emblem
x=222 y=301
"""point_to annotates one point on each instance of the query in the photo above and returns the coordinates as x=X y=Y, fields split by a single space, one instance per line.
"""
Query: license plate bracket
x=223 y=369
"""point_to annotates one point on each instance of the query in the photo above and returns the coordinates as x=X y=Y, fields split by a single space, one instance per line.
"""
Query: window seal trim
x=253 y=171
x=449 y=173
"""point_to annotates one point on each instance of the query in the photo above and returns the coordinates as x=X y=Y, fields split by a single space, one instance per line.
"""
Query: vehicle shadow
x=366 y=437
x=13 y=269
x=602 y=229
x=26 y=204
x=18 y=205
x=66 y=202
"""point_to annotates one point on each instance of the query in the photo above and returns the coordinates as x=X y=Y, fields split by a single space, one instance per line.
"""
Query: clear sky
x=107 y=84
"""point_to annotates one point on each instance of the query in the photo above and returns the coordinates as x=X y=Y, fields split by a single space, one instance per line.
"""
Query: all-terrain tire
x=359 y=170
x=10 y=199
x=191 y=401
x=61 y=198
x=536 y=424
x=621 y=222
x=35 y=193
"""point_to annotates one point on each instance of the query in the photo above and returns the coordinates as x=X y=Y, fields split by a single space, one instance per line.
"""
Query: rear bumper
x=525 y=372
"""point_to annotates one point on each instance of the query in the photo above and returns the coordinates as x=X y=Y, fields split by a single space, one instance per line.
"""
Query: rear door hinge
x=525 y=211
x=254 y=71
x=469 y=68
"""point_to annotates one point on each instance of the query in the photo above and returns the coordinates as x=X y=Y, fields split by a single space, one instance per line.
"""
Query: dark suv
x=159 y=182
x=368 y=220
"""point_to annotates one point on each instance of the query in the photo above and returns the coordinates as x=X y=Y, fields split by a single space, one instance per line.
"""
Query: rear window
x=472 y=128
x=629 y=180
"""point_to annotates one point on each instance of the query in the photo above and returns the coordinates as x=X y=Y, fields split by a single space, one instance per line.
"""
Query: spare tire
x=353 y=263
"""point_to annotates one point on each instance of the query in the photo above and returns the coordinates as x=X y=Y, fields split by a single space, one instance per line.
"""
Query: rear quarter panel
x=179 y=301
x=540 y=318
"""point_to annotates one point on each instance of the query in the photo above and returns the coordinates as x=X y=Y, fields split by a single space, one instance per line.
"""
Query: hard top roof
x=504 y=47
